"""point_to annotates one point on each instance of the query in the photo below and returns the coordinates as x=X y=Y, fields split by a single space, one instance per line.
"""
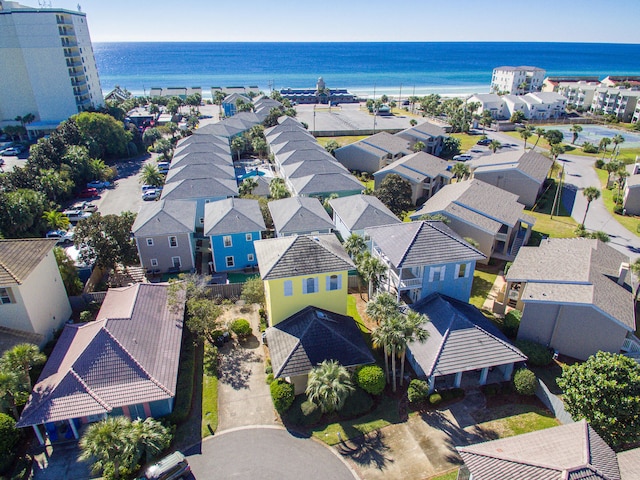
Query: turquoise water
x=594 y=133
x=420 y=68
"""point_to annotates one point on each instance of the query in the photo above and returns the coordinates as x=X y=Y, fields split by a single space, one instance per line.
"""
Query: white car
x=146 y=188
x=98 y=184
x=64 y=237
x=151 y=195
x=462 y=158
x=76 y=215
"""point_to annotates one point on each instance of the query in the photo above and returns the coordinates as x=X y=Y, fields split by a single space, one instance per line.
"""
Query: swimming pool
x=594 y=133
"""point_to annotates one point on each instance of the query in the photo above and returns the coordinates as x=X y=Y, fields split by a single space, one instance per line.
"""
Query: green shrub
x=210 y=361
x=9 y=436
x=371 y=379
x=591 y=148
x=269 y=378
x=303 y=412
x=618 y=210
x=451 y=394
x=186 y=374
x=418 y=391
x=357 y=404
x=525 y=382
x=539 y=355
x=512 y=323
x=241 y=327
x=268 y=369
x=435 y=398
x=282 y=394
x=86 y=316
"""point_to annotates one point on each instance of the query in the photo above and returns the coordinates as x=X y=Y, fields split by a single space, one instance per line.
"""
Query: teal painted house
x=424 y=258
x=232 y=226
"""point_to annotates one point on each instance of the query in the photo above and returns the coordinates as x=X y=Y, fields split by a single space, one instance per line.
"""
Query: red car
x=89 y=193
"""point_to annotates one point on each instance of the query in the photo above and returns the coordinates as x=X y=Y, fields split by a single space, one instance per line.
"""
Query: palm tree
x=56 y=220
x=604 y=143
x=150 y=437
x=539 y=133
x=383 y=305
x=329 y=386
x=11 y=390
x=151 y=175
x=494 y=145
x=278 y=189
x=460 y=170
x=418 y=147
x=575 y=129
x=371 y=269
x=21 y=358
x=247 y=186
x=414 y=331
x=486 y=119
x=617 y=140
x=591 y=194
x=525 y=134
x=386 y=335
x=238 y=145
x=354 y=245
x=556 y=151
x=108 y=443
x=621 y=174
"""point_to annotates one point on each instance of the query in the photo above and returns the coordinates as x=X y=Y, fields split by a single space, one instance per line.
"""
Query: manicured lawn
x=629 y=222
x=240 y=277
x=352 y=310
x=408 y=215
x=452 y=475
x=368 y=184
x=466 y=141
x=482 y=283
x=562 y=226
x=514 y=419
x=346 y=140
x=209 y=404
x=386 y=413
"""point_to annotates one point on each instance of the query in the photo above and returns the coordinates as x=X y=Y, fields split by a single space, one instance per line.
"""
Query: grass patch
x=346 y=140
x=452 y=475
x=407 y=217
x=630 y=222
x=482 y=283
x=514 y=419
x=386 y=413
x=209 y=404
x=240 y=277
x=466 y=141
x=560 y=226
x=352 y=309
x=370 y=184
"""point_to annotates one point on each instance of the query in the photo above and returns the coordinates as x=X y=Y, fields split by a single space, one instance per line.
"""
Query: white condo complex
x=47 y=64
x=517 y=80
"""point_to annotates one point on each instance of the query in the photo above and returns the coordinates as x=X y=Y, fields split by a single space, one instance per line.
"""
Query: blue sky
x=360 y=20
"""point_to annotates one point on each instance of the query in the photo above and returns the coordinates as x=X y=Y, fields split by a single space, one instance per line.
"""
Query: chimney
x=622 y=273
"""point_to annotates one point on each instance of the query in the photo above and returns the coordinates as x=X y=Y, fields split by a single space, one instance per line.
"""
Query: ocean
x=417 y=68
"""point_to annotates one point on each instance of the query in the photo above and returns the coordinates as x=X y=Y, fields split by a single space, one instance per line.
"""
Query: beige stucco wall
x=632 y=200
x=485 y=239
x=512 y=181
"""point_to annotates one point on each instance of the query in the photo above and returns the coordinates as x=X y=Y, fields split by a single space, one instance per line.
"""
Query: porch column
x=458 y=381
x=73 y=428
x=483 y=376
x=508 y=370
x=38 y=434
x=432 y=383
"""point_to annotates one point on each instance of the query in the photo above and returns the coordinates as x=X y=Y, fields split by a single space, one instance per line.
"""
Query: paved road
x=348 y=116
x=266 y=453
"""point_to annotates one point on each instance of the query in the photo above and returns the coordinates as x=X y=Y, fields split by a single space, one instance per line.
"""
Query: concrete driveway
x=265 y=453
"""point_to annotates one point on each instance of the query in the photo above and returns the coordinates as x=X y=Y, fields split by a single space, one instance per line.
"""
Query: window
x=176 y=262
x=5 y=296
x=248 y=237
x=436 y=274
x=310 y=285
x=250 y=257
x=334 y=282
x=462 y=270
x=201 y=220
x=288 y=288
x=227 y=241
x=149 y=242
x=229 y=261
x=154 y=262
x=173 y=242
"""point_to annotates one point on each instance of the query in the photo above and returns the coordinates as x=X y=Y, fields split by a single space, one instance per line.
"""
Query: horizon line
x=367 y=41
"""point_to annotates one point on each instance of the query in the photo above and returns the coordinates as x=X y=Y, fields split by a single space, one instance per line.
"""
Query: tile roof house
x=489 y=215
x=575 y=297
x=426 y=174
x=629 y=463
x=373 y=153
x=430 y=134
x=310 y=336
x=299 y=216
x=124 y=363
x=33 y=300
x=233 y=226
x=524 y=178
x=299 y=271
x=457 y=327
x=164 y=235
x=566 y=452
x=423 y=258
x=355 y=213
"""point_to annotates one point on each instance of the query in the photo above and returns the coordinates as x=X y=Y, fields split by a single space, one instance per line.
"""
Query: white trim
x=176 y=239
x=149 y=242
x=251 y=257
x=154 y=262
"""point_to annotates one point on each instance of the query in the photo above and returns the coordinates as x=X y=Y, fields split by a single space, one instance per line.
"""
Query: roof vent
x=317 y=239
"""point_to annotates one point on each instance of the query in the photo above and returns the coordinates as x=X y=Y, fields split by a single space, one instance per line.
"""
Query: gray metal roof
x=421 y=243
x=200 y=188
x=311 y=336
x=233 y=215
x=165 y=217
x=358 y=212
x=199 y=170
x=204 y=158
x=310 y=167
x=301 y=255
x=128 y=358
x=309 y=154
x=575 y=270
x=299 y=215
x=278 y=137
x=424 y=130
x=461 y=339
x=381 y=144
x=531 y=164
x=202 y=147
x=417 y=167
x=567 y=452
x=191 y=139
x=326 y=183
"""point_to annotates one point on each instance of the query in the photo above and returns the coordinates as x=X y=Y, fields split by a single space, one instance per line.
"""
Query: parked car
x=146 y=188
x=484 y=141
x=89 y=193
x=171 y=467
x=151 y=195
x=98 y=184
x=462 y=158
x=163 y=167
x=12 y=151
x=64 y=237
x=89 y=207
x=76 y=215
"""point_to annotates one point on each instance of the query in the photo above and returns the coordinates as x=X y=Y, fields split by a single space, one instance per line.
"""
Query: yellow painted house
x=302 y=271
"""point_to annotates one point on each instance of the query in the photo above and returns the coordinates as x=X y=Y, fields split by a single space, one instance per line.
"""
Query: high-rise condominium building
x=47 y=64
x=517 y=80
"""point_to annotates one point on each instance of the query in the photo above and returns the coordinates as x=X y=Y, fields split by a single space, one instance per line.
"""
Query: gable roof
x=301 y=255
x=303 y=155
x=531 y=164
x=567 y=452
x=114 y=361
x=312 y=335
x=629 y=463
x=358 y=212
x=299 y=214
x=460 y=339
x=417 y=167
x=421 y=243
x=426 y=131
x=380 y=144
x=201 y=158
x=199 y=170
x=321 y=183
x=20 y=257
x=233 y=215
x=165 y=217
x=295 y=144
x=202 y=147
x=310 y=167
x=192 y=189
x=575 y=270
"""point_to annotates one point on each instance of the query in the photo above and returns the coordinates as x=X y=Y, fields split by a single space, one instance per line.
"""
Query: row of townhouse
x=534 y=106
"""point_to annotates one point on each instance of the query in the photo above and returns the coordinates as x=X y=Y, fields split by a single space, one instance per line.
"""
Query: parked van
x=171 y=467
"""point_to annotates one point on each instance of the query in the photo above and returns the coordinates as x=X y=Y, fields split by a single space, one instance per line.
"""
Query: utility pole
x=400 y=97
x=375 y=110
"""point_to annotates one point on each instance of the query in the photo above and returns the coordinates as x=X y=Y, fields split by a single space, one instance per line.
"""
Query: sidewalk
x=497 y=287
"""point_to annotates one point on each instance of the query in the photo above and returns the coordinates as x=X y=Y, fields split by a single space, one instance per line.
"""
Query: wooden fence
x=228 y=290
